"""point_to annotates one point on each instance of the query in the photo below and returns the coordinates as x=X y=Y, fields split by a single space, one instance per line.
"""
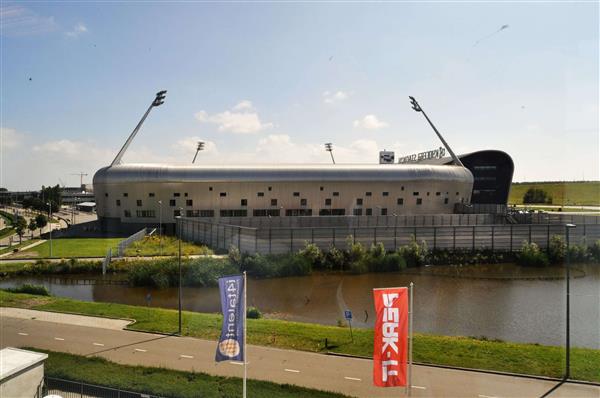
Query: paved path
x=346 y=375
x=135 y=258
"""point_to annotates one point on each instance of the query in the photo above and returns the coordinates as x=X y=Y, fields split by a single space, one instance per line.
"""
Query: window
x=176 y=213
x=106 y=194
x=210 y=188
x=419 y=201
x=386 y=194
x=369 y=212
x=207 y=213
x=139 y=202
x=445 y=201
x=402 y=188
x=265 y=212
x=222 y=194
x=384 y=212
x=400 y=201
x=357 y=212
x=303 y=202
x=320 y=188
x=270 y=188
x=125 y=194
x=328 y=202
x=296 y=193
x=177 y=194
x=189 y=202
x=273 y=202
x=244 y=202
x=298 y=212
x=185 y=194
x=234 y=213
x=260 y=194
x=438 y=193
x=118 y=202
x=171 y=202
x=145 y=213
x=359 y=201
x=367 y=193
x=427 y=193
x=336 y=194
x=151 y=194
x=415 y=194
x=332 y=212
x=127 y=213
x=192 y=213
x=457 y=194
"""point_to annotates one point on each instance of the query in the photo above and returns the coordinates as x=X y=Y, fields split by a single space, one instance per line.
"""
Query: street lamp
x=179 y=261
x=50 y=225
x=199 y=148
x=160 y=226
x=329 y=148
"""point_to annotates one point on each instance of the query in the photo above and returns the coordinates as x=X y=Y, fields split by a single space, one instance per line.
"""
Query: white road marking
x=140 y=350
x=99 y=344
x=23 y=334
x=486 y=396
x=236 y=363
x=292 y=370
x=419 y=387
x=352 y=378
x=186 y=356
x=59 y=339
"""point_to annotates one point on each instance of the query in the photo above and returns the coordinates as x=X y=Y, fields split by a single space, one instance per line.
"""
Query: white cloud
x=370 y=122
x=334 y=97
x=10 y=138
x=78 y=29
x=242 y=119
x=17 y=20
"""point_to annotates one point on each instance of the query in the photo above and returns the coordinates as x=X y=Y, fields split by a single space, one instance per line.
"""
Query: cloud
x=242 y=119
x=334 y=97
x=10 y=138
x=370 y=122
x=17 y=20
x=78 y=29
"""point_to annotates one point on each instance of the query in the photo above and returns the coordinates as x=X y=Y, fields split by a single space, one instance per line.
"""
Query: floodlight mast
x=329 y=148
x=157 y=101
x=199 y=148
x=417 y=108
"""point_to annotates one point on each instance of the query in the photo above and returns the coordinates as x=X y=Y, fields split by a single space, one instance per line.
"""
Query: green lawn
x=74 y=247
x=18 y=246
x=444 y=350
x=563 y=193
x=164 y=382
x=168 y=246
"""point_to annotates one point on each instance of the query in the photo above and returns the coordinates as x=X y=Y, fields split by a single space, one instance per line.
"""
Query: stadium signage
x=417 y=157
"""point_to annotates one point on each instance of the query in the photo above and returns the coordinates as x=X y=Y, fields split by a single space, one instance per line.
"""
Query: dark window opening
x=357 y=212
x=151 y=194
x=419 y=201
x=177 y=194
x=332 y=212
x=189 y=202
x=270 y=188
x=118 y=202
x=402 y=188
x=273 y=202
x=369 y=212
x=171 y=202
x=386 y=194
x=222 y=194
x=234 y=213
x=367 y=193
x=260 y=194
x=106 y=194
x=145 y=213
x=438 y=193
x=359 y=201
x=336 y=194
x=138 y=202
x=298 y=212
x=445 y=201
x=328 y=202
x=320 y=188
x=125 y=194
x=384 y=212
x=265 y=213
x=303 y=202
x=185 y=194
x=296 y=193
x=176 y=213
x=415 y=194
x=244 y=202
x=210 y=188
x=400 y=201
x=127 y=213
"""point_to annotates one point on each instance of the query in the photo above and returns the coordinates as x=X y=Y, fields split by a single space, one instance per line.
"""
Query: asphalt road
x=346 y=375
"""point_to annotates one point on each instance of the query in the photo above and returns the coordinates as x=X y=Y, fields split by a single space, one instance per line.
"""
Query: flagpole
x=410 y=334
x=245 y=332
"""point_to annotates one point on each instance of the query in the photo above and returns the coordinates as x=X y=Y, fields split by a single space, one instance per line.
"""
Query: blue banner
x=231 y=342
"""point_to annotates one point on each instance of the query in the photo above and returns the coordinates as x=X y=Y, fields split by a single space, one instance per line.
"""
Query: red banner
x=390 y=348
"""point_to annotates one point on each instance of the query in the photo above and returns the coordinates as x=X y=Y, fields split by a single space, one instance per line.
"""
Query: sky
x=272 y=82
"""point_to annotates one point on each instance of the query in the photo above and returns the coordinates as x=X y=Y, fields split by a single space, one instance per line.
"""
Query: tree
x=20 y=225
x=536 y=195
x=41 y=221
x=32 y=226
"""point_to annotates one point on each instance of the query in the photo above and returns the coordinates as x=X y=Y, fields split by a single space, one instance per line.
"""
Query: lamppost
x=160 y=226
x=329 y=148
x=50 y=225
x=179 y=261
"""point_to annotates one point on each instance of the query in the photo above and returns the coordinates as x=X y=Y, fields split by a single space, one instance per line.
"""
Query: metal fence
x=126 y=242
x=74 y=389
x=277 y=240
x=554 y=218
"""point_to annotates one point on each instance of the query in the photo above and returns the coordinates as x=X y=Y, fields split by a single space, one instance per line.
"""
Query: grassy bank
x=454 y=351
x=562 y=193
x=167 y=246
x=74 y=247
x=164 y=382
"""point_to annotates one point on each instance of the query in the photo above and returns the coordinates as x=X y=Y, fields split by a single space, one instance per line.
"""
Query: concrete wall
x=24 y=384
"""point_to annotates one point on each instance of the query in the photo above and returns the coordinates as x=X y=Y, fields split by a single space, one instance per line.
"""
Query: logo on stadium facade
x=417 y=157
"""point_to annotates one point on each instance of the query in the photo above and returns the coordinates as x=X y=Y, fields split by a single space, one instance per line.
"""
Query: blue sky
x=264 y=83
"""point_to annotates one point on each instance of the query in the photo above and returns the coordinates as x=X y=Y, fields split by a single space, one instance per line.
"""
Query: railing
x=126 y=242
x=75 y=389
x=269 y=239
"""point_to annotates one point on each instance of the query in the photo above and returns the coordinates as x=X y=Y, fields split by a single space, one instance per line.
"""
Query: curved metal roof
x=132 y=173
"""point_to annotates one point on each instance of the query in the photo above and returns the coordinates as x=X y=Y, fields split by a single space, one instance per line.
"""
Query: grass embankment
x=19 y=245
x=562 y=193
x=443 y=350
x=164 y=382
x=74 y=247
x=168 y=246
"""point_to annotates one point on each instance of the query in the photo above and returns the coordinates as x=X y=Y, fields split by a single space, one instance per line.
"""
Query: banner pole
x=410 y=341
x=245 y=332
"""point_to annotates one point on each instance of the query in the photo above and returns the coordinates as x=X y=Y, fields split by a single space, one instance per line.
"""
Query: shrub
x=334 y=259
x=253 y=313
x=579 y=253
x=391 y=262
x=536 y=195
x=557 y=249
x=234 y=255
x=532 y=256
x=312 y=253
x=595 y=251
x=414 y=253
x=38 y=290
